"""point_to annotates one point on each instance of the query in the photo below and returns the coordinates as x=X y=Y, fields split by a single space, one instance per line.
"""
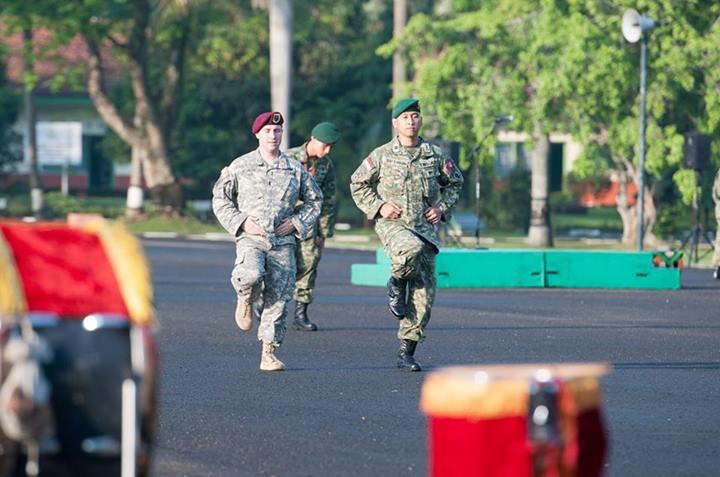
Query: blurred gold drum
x=515 y=420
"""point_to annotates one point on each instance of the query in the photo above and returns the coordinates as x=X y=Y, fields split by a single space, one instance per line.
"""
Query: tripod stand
x=692 y=238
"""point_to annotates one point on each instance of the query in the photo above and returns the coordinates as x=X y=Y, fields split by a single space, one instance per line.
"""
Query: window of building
x=509 y=155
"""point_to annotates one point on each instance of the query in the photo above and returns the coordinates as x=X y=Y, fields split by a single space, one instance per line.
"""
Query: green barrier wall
x=459 y=268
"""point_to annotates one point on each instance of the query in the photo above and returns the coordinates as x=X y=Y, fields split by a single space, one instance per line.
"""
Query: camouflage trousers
x=413 y=259
x=268 y=275
x=307 y=257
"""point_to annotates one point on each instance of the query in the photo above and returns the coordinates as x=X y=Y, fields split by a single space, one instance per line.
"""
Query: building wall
x=94 y=171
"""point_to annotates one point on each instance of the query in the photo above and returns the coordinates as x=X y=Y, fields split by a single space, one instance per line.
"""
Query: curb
x=348 y=242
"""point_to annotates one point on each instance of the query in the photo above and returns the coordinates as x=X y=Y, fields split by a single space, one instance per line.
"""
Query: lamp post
x=496 y=122
x=634 y=28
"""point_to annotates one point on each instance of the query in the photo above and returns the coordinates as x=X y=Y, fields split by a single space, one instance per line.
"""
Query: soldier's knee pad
x=247 y=278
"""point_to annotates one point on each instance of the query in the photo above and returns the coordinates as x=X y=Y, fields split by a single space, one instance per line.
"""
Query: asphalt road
x=342 y=409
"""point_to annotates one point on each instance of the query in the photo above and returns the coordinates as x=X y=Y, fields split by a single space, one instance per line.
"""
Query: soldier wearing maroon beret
x=254 y=199
x=263 y=119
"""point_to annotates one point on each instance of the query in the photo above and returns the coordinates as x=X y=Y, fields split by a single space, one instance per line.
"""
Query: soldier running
x=408 y=186
x=254 y=199
x=314 y=155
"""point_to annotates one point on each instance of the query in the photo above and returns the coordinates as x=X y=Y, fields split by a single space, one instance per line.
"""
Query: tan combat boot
x=244 y=313
x=268 y=360
x=245 y=309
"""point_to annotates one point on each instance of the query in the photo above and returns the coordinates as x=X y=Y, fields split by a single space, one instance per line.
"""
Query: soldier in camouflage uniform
x=716 y=198
x=408 y=186
x=314 y=156
x=254 y=200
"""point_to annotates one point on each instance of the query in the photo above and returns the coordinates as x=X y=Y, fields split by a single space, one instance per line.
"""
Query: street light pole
x=497 y=122
x=637 y=27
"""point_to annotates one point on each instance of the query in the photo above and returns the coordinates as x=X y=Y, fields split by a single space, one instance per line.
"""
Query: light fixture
x=635 y=27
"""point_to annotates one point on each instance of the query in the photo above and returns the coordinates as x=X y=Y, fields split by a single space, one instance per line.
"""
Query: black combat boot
x=405 y=356
x=716 y=273
x=397 y=291
x=301 y=321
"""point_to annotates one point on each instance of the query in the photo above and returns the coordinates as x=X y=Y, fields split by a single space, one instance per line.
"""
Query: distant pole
x=499 y=120
x=281 y=27
x=65 y=180
x=399 y=72
x=641 y=147
x=476 y=159
x=399 y=75
x=637 y=27
x=36 y=193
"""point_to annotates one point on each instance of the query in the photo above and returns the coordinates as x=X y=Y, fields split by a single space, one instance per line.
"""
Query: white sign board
x=59 y=143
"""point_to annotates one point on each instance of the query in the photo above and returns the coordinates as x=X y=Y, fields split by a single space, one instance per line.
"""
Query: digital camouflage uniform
x=265 y=266
x=413 y=179
x=308 y=254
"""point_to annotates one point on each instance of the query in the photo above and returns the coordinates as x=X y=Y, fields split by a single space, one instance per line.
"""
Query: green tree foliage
x=338 y=78
x=10 y=144
x=564 y=65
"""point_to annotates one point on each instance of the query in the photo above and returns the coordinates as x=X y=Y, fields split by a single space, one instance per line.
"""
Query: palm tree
x=281 y=28
x=539 y=233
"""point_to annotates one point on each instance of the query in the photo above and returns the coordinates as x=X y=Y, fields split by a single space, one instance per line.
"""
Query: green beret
x=326 y=133
x=405 y=104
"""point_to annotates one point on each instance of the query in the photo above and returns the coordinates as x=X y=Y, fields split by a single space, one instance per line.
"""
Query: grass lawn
x=183 y=225
x=603 y=220
x=600 y=218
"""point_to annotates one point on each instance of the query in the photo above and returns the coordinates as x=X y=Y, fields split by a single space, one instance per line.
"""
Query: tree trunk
x=650 y=216
x=626 y=212
x=399 y=72
x=164 y=190
x=540 y=233
x=135 y=196
x=400 y=11
x=281 y=26
x=146 y=135
x=36 y=192
x=629 y=214
x=629 y=217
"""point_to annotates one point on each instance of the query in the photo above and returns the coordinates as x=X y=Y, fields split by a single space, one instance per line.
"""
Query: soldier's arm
x=223 y=203
x=451 y=181
x=326 y=222
x=304 y=219
x=363 y=187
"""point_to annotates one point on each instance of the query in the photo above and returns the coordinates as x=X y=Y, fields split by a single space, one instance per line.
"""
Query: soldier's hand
x=251 y=226
x=320 y=241
x=390 y=210
x=285 y=228
x=433 y=215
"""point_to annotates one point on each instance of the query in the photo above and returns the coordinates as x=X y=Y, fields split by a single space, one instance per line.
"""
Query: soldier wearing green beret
x=314 y=156
x=408 y=186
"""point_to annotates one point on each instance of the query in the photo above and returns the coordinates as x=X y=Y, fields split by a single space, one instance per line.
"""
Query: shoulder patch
x=369 y=164
x=449 y=166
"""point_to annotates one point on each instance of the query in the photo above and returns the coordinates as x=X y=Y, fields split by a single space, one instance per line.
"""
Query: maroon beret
x=269 y=117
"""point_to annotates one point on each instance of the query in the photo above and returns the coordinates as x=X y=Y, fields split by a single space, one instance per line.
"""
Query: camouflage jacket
x=269 y=192
x=391 y=174
x=323 y=171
